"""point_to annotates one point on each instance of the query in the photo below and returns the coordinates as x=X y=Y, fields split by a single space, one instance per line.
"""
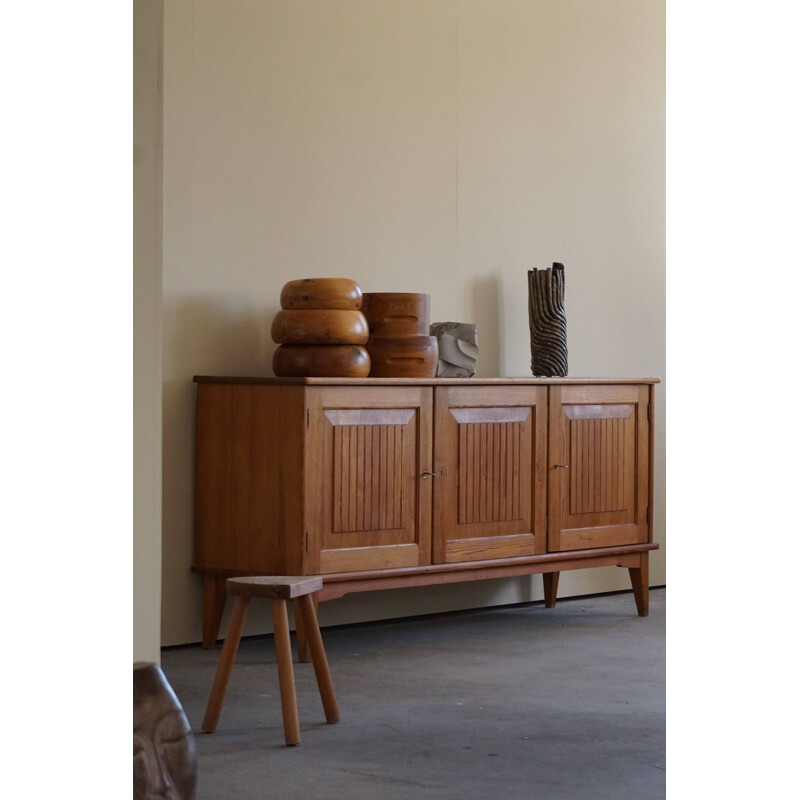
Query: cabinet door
x=599 y=457
x=367 y=506
x=491 y=443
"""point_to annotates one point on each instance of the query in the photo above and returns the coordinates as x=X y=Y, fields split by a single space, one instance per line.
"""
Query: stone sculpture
x=458 y=349
x=164 y=755
x=548 y=322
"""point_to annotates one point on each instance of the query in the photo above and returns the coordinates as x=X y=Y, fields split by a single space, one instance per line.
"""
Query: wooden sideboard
x=381 y=483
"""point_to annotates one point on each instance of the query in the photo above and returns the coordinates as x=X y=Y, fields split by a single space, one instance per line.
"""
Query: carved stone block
x=458 y=349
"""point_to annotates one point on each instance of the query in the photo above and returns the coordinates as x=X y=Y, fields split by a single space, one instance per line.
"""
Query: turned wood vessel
x=321 y=361
x=315 y=293
x=320 y=326
x=397 y=313
x=403 y=356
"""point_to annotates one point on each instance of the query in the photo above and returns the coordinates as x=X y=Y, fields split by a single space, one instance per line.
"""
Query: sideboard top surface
x=416 y=381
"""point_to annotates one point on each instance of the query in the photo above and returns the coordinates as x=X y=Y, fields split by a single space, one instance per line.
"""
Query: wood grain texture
x=283 y=654
x=365 y=460
x=397 y=313
x=214 y=597
x=492 y=445
x=547 y=320
x=550 y=588
x=319 y=326
x=319 y=659
x=316 y=293
x=338 y=585
x=225 y=664
x=403 y=357
x=321 y=360
x=350 y=479
x=522 y=381
x=249 y=478
x=599 y=466
x=640 y=581
x=274 y=587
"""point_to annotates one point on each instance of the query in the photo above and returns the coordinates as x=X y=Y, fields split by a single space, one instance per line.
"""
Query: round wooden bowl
x=404 y=357
x=320 y=326
x=321 y=361
x=397 y=313
x=321 y=293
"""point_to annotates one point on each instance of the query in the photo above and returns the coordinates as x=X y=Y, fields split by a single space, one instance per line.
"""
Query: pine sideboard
x=381 y=483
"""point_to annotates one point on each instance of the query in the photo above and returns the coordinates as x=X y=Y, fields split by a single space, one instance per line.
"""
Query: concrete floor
x=512 y=702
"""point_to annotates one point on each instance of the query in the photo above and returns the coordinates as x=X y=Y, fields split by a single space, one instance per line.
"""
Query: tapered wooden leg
x=283 y=651
x=550 y=588
x=640 y=580
x=303 y=653
x=225 y=665
x=214 y=597
x=321 y=669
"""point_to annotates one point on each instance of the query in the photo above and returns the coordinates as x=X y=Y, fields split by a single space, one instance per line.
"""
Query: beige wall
x=147 y=342
x=441 y=146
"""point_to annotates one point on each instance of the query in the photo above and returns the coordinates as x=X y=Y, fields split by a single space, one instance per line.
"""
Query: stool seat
x=274 y=587
x=277 y=589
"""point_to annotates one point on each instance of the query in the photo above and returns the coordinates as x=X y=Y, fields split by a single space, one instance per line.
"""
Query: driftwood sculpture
x=548 y=322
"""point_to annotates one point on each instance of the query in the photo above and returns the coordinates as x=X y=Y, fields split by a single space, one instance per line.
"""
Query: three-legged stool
x=278 y=589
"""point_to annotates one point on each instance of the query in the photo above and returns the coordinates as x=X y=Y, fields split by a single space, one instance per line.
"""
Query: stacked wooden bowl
x=321 y=330
x=399 y=343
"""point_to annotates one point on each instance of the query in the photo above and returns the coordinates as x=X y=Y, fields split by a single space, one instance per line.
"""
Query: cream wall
x=147 y=341
x=441 y=146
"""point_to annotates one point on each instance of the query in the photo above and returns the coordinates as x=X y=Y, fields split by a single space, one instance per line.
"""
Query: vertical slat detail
x=398 y=477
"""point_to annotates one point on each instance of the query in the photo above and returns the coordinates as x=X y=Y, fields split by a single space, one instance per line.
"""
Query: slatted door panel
x=491 y=444
x=599 y=442
x=365 y=451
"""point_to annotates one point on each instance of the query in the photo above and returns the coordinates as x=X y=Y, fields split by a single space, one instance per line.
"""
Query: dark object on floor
x=548 y=322
x=278 y=590
x=164 y=756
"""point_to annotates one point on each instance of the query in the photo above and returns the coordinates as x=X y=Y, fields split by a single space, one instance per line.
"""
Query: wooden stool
x=278 y=589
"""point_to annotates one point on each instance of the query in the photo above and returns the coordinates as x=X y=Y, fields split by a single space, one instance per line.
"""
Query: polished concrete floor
x=511 y=702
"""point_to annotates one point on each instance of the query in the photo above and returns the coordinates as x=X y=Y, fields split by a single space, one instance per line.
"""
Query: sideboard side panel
x=249 y=478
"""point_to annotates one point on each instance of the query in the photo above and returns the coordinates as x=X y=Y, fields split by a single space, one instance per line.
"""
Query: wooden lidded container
x=399 y=343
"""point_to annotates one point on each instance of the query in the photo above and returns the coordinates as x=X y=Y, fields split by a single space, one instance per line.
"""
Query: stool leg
x=318 y=657
x=225 y=665
x=283 y=651
x=214 y=597
x=302 y=640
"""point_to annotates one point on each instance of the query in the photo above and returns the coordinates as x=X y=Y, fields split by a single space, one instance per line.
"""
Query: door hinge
x=306 y=541
x=308 y=418
x=648 y=515
x=649 y=411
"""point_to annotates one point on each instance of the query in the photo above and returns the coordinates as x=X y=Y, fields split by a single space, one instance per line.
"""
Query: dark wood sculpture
x=548 y=322
x=164 y=755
